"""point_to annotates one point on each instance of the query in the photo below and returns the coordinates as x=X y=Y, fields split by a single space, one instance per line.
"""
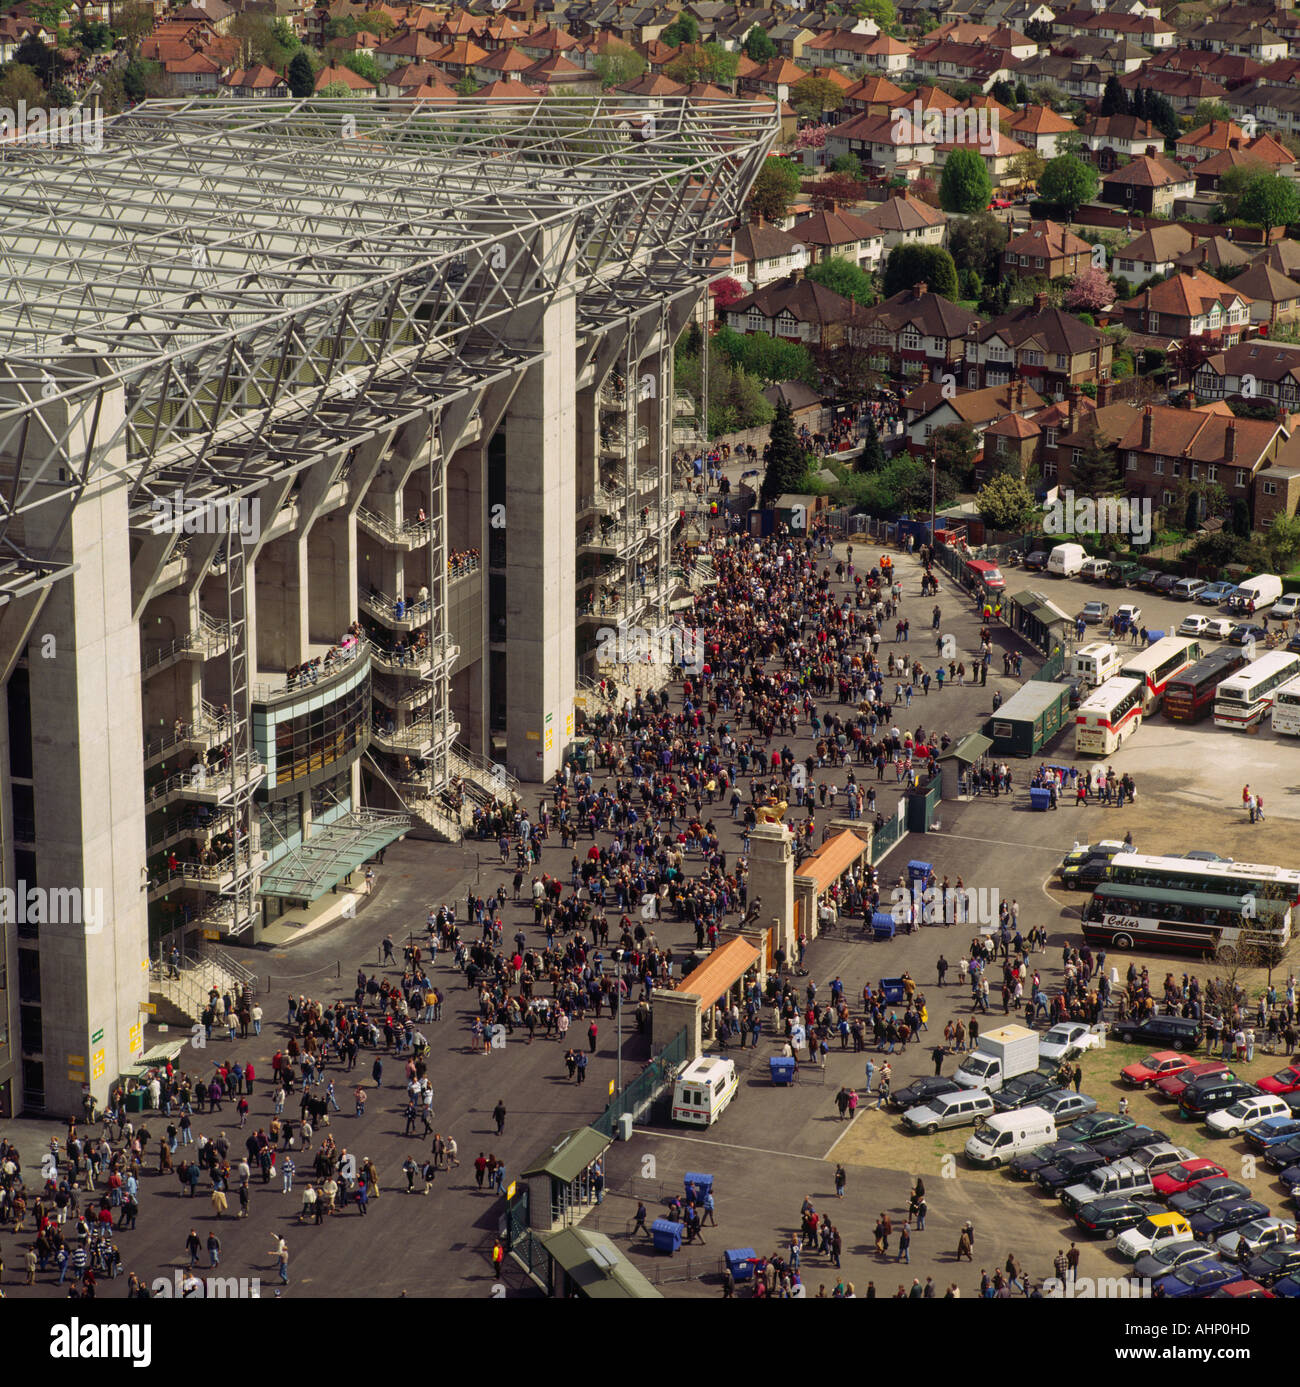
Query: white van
x=951 y=1110
x=1256 y=593
x=1007 y=1134
x=703 y=1090
x=1096 y=662
x=1094 y=570
x=1066 y=560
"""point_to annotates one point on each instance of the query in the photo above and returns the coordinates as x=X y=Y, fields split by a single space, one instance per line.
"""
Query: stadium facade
x=330 y=433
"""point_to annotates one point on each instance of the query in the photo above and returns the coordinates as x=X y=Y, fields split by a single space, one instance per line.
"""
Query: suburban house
x=831 y=232
x=902 y=217
x=1275 y=297
x=1048 y=348
x=875 y=96
x=1047 y=251
x=916 y=329
x=797 y=311
x=764 y=254
x=1190 y=304
x=1152 y=183
x=889 y=146
x=1110 y=138
x=1039 y=128
x=256 y=81
x=1153 y=252
x=1258 y=369
x=1212 y=254
x=977 y=408
x=998 y=151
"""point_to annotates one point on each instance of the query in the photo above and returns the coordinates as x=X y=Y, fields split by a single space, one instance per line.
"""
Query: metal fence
x=885 y=838
x=1052 y=666
x=637 y=1097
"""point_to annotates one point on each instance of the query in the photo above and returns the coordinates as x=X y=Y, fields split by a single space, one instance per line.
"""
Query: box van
x=1007 y=1134
x=1094 y=570
x=1096 y=662
x=951 y=1110
x=1188 y=589
x=1066 y=560
x=703 y=1090
x=982 y=571
x=1256 y=593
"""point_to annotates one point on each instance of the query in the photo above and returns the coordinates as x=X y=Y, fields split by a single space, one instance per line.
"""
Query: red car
x=1243 y=1290
x=1160 y=1065
x=1172 y=1085
x=1284 y=1081
x=1183 y=1176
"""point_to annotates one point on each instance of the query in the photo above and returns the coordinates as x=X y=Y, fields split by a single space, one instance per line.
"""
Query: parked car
x=1284 y=1155
x=1245 y=631
x=1122 y=1143
x=1119 y=1177
x=1159 y=1230
x=1093 y=612
x=1290 y=1177
x=1168 y=1257
x=1214 y=593
x=1065 y=1104
x=1068 y=1170
x=1215 y=1220
x=1095 y=1126
x=1067 y=1041
x=1145 y=1072
x=1123 y=575
x=1176 y=1032
x=1186 y=589
x=1148 y=579
x=1076 y=686
x=1284 y=1081
x=1246 y=1113
x=1219 y=628
x=1286 y=607
x=1186 y=1174
x=1293 y=644
x=1242 y=1290
x=1087 y=866
x=1206 y=1096
x=1172 y=1085
x=1129 y=617
x=1255 y=1237
x=1198 y=1279
x=1158 y=1156
x=1193 y=625
x=1024 y=1091
x=1271 y=1265
x=1273 y=1131
x=915 y=1094
x=1036 y=560
x=1114 y=1215
x=1165 y=584
x=1206 y=1192
x=1027 y=1165
x=1201 y=855
x=1288 y=1287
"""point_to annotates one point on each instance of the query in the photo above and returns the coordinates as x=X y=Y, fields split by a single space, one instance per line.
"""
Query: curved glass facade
x=308 y=740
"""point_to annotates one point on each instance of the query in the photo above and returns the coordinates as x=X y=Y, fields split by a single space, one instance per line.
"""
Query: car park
x=1172 y=1085
x=1255 y=1237
x=1028 y=1164
x=1096 y=1126
x=1214 y=593
x=1186 y=1174
x=1284 y=1081
x=1206 y=1192
x=1114 y=1215
x=1197 y=1279
x=1186 y=589
x=1273 y=1131
x=1164 y=1032
x=1064 y=1104
x=1211 y=1095
x=1273 y=1263
x=1245 y=1113
x=1159 y=1230
x=1121 y=1143
x=915 y=1094
x=1068 y=1170
x=1067 y=1041
x=1245 y=631
x=950 y=1110
x=1169 y=1257
x=1215 y=1220
x=1024 y=1091
x=1145 y=1072
x=1120 y=1177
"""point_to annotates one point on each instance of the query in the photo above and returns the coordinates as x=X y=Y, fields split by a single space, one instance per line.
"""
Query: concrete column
x=771 y=878
x=669 y=1013
x=541 y=550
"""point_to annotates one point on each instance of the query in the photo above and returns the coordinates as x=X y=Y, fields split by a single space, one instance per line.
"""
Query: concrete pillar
x=541 y=550
x=771 y=878
x=670 y=1012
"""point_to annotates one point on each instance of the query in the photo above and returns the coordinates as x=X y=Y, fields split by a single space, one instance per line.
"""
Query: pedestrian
x=499 y=1116
x=904 y=1245
x=841 y=1179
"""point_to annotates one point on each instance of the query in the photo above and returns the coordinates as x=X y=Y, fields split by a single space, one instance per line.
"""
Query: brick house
x=1048 y=348
x=916 y=330
x=1191 y=304
x=1047 y=251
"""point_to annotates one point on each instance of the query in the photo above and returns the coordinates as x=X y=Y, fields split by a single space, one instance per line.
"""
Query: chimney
x=1103 y=394
x=1205 y=254
x=1147 y=423
x=830 y=206
x=1016 y=394
x=1234 y=142
x=1040 y=302
x=1230 y=443
x=1150 y=151
x=919 y=289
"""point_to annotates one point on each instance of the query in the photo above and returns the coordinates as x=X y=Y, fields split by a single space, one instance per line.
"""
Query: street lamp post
x=934 y=477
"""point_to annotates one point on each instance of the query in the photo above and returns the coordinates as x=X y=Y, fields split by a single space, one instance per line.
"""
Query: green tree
x=302 y=80
x=1022 y=93
x=1005 y=502
x=872 y=456
x=910 y=263
x=19 y=83
x=847 y=163
x=1004 y=92
x=619 y=64
x=683 y=29
x=335 y=91
x=1207 y=111
x=1233 y=183
x=768 y=358
x=843 y=277
x=1097 y=471
x=91 y=36
x=882 y=11
x=787 y=463
x=45 y=62
x=1283 y=540
x=812 y=96
x=133 y=21
x=758 y=47
x=1069 y=183
x=977 y=242
x=954 y=447
x=1269 y=200
x=364 y=66
x=1114 y=100
x=1028 y=166
x=965 y=185
x=775 y=188
x=902 y=484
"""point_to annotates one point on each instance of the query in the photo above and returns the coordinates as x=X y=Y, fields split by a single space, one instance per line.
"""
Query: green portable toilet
x=1028 y=720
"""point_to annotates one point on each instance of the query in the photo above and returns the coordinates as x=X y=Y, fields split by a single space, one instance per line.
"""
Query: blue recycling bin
x=893 y=991
x=782 y=1067
x=703 y=1184
x=919 y=871
x=667 y=1235
x=883 y=925
x=741 y=1262
x=1040 y=799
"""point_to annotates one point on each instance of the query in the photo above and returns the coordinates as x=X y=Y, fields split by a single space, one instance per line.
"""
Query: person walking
x=904 y=1245
x=499 y=1115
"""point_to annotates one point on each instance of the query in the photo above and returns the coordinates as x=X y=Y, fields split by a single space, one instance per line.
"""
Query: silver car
x=951 y=1110
x=1065 y=1105
x=1260 y=1234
